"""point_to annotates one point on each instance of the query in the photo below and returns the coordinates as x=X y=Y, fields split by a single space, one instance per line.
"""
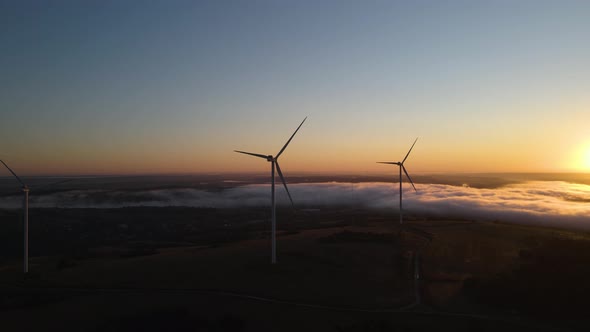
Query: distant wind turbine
x=401 y=166
x=25 y=189
x=275 y=162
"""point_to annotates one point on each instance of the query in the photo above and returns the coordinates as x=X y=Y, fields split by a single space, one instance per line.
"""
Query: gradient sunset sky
x=133 y=87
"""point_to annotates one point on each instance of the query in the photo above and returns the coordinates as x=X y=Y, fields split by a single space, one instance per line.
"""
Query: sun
x=580 y=161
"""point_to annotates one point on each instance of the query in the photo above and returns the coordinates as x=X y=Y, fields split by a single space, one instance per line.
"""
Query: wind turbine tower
x=25 y=190
x=401 y=166
x=274 y=163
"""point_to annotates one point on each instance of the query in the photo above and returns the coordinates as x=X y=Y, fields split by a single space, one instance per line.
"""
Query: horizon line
x=292 y=173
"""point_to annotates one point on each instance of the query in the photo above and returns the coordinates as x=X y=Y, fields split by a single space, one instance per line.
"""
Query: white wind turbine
x=25 y=189
x=401 y=166
x=274 y=161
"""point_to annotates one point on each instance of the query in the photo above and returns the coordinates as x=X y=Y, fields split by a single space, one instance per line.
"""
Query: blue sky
x=174 y=86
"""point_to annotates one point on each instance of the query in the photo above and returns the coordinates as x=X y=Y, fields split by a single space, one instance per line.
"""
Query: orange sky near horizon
x=313 y=151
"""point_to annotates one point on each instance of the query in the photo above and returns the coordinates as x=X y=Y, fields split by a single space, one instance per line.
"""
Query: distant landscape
x=551 y=199
x=345 y=263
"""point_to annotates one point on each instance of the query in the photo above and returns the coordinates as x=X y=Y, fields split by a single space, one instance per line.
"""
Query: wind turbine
x=401 y=166
x=274 y=161
x=25 y=189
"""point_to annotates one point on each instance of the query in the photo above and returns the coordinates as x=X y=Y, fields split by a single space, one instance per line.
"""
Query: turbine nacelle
x=401 y=165
x=275 y=165
x=401 y=168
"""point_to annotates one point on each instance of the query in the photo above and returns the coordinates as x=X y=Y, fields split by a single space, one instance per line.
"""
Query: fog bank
x=539 y=202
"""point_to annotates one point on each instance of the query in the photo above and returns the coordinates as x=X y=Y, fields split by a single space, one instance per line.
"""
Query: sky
x=165 y=87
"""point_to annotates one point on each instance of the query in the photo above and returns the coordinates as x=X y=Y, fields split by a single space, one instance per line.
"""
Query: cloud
x=551 y=203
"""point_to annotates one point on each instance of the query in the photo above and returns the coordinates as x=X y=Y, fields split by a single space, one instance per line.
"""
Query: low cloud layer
x=552 y=203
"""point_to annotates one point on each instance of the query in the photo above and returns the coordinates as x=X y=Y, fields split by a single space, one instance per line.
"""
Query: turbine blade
x=410 y=150
x=409 y=178
x=387 y=162
x=296 y=130
x=16 y=176
x=284 y=183
x=252 y=154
